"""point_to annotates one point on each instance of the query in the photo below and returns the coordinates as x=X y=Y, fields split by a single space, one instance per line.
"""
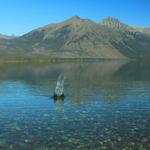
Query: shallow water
x=107 y=106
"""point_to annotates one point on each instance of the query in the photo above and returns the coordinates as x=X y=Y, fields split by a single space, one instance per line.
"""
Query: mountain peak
x=75 y=18
x=109 y=18
x=113 y=23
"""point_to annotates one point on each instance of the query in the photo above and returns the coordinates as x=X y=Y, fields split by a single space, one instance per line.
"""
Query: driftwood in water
x=59 y=90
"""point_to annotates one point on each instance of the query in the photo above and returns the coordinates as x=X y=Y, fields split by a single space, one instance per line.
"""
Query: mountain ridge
x=3 y=36
x=82 y=38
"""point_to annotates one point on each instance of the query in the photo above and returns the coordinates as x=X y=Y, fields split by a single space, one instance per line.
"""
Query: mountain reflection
x=107 y=79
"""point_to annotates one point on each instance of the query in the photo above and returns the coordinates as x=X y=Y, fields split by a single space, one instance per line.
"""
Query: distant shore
x=44 y=59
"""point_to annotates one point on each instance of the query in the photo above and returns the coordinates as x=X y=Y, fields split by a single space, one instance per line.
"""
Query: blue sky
x=21 y=16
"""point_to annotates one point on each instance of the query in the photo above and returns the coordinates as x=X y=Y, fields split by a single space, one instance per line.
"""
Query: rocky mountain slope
x=143 y=30
x=82 y=38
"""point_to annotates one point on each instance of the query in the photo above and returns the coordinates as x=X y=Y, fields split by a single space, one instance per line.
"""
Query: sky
x=18 y=17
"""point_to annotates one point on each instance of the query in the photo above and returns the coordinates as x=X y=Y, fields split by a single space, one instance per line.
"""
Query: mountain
x=82 y=38
x=133 y=43
x=2 y=36
x=114 y=23
x=143 y=29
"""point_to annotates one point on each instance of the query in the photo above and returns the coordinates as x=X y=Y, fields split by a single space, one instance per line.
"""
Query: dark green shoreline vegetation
x=23 y=58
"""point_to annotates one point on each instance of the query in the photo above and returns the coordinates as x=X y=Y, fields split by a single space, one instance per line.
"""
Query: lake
x=106 y=106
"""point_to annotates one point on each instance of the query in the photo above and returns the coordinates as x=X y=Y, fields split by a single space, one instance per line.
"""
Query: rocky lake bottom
x=106 y=106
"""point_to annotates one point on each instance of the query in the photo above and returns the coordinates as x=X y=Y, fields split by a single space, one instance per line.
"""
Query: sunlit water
x=107 y=106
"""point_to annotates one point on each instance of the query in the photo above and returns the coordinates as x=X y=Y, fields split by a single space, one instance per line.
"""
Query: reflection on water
x=59 y=104
x=107 y=106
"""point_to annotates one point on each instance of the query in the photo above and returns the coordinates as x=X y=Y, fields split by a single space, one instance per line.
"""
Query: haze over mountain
x=2 y=36
x=82 y=38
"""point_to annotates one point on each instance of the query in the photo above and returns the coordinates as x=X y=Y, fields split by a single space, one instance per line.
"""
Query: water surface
x=107 y=106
